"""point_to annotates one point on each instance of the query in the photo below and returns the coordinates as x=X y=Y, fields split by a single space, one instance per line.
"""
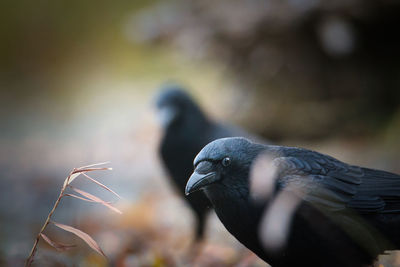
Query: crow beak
x=167 y=115
x=198 y=181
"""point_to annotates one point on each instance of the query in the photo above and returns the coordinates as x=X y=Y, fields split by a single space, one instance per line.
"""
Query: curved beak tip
x=198 y=181
x=191 y=184
x=187 y=190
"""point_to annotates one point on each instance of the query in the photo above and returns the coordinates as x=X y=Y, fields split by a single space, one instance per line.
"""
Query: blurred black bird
x=347 y=214
x=186 y=131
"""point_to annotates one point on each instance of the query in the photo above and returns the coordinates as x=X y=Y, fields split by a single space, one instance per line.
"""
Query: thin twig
x=71 y=177
x=33 y=251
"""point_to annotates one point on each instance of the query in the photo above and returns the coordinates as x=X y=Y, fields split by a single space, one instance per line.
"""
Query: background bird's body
x=177 y=151
x=186 y=132
x=346 y=215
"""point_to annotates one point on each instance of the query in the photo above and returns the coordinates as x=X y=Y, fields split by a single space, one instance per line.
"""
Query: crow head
x=222 y=167
x=174 y=105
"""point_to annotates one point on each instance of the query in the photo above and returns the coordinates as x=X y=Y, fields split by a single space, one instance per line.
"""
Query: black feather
x=184 y=136
x=347 y=214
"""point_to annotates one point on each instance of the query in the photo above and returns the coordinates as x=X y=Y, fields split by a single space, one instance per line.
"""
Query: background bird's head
x=223 y=167
x=174 y=104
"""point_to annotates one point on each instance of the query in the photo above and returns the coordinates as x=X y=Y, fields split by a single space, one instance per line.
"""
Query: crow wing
x=334 y=185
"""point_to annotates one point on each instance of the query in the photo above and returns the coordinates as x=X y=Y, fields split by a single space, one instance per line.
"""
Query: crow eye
x=226 y=162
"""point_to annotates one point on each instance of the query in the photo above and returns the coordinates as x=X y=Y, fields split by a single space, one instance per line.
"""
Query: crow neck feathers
x=232 y=201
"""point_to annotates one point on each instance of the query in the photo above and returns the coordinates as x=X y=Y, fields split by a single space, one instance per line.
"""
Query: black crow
x=347 y=214
x=186 y=131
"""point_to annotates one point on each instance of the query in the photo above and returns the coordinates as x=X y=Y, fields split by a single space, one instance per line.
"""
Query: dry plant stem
x=32 y=254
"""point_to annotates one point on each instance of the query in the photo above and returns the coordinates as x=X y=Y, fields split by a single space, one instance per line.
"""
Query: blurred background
x=77 y=85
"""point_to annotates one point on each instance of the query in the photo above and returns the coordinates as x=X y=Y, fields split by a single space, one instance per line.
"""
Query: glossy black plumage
x=347 y=215
x=186 y=130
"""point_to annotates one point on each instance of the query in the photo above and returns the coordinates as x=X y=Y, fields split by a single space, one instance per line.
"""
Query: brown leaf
x=56 y=245
x=82 y=198
x=70 y=178
x=100 y=184
x=96 y=199
x=84 y=236
x=91 y=165
x=90 y=170
x=78 y=197
x=76 y=172
x=276 y=221
x=263 y=175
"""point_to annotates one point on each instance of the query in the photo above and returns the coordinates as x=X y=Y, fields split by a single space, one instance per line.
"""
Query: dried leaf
x=100 y=184
x=76 y=172
x=70 y=178
x=82 y=198
x=85 y=237
x=263 y=175
x=91 y=170
x=276 y=221
x=56 y=245
x=96 y=199
x=78 y=197
x=91 y=165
